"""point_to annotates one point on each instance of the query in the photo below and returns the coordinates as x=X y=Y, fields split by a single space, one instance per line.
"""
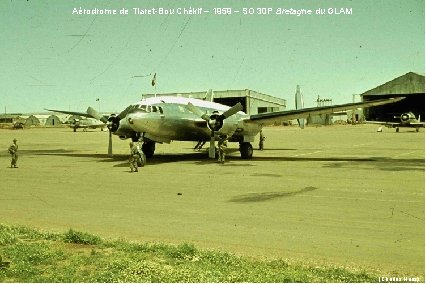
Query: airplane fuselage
x=86 y=123
x=166 y=118
x=162 y=119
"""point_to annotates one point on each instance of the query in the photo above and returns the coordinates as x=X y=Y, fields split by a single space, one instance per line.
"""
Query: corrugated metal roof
x=410 y=83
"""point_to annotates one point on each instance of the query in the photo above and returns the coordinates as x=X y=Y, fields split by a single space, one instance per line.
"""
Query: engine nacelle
x=407 y=117
x=227 y=128
x=220 y=125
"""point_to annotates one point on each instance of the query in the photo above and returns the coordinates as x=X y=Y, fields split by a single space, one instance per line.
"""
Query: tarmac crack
x=42 y=200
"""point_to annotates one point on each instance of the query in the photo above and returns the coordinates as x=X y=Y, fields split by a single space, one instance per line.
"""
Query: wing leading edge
x=397 y=124
x=271 y=117
x=85 y=114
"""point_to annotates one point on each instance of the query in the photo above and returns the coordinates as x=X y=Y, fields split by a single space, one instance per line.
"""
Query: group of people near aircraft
x=163 y=119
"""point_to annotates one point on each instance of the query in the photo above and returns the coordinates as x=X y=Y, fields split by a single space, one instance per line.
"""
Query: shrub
x=76 y=237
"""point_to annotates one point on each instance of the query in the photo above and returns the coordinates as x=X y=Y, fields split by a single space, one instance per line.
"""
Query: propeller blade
x=123 y=114
x=195 y=110
x=110 y=144
x=233 y=110
x=212 y=148
x=95 y=114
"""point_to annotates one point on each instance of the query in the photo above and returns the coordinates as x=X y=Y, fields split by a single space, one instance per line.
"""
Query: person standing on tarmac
x=13 y=151
x=261 y=139
x=222 y=144
x=134 y=156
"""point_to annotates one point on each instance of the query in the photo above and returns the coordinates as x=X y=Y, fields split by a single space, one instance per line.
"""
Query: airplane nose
x=137 y=121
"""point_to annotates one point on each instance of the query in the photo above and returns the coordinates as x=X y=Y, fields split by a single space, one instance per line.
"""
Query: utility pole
x=353 y=111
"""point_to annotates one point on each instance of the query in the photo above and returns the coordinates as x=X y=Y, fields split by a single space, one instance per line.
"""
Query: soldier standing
x=261 y=139
x=13 y=151
x=134 y=156
x=222 y=147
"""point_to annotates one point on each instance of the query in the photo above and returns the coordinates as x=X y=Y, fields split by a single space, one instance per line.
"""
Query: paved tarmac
x=340 y=195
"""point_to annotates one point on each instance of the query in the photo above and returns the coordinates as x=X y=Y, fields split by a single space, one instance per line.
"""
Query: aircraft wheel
x=397 y=129
x=246 y=150
x=148 y=148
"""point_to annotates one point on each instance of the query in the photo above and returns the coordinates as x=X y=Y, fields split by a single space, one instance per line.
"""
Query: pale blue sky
x=51 y=58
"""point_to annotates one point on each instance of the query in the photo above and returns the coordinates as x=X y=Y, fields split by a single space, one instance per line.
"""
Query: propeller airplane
x=85 y=123
x=407 y=119
x=162 y=119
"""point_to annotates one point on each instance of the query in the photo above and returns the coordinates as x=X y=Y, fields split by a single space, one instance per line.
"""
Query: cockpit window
x=148 y=108
x=142 y=107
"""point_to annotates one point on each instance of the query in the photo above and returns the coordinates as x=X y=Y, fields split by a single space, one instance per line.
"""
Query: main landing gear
x=148 y=148
x=246 y=150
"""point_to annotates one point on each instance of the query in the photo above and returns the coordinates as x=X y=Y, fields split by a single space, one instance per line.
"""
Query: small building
x=32 y=120
x=8 y=120
x=322 y=119
x=253 y=102
x=53 y=120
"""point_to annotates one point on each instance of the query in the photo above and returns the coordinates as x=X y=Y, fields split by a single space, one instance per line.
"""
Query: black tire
x=148 y=148
x=246 y=150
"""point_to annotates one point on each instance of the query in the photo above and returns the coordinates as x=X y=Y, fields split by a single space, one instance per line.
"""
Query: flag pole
x=154 y=84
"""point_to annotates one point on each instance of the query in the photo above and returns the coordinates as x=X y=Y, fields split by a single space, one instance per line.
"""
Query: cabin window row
x=150 y=108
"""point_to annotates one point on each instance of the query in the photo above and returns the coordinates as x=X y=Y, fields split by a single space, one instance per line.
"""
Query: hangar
x=410 y=85
x=32 y=120
x=42 y=120
x=253 y=102
x=53 y=120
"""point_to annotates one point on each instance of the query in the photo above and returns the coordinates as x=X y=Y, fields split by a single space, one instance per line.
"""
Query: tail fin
x=299 y=105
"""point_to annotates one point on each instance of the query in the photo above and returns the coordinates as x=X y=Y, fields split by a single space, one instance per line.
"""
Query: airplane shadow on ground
x=384 y=164
x=266 y=196
x=201 y=158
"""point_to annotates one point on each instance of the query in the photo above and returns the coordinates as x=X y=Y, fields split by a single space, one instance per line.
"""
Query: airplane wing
x=385 y=123
x=397 y=124
x=85 y=114
x=94 y=126
x=271 y=117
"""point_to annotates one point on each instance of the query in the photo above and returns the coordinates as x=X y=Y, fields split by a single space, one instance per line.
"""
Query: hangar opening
x=411 y=86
